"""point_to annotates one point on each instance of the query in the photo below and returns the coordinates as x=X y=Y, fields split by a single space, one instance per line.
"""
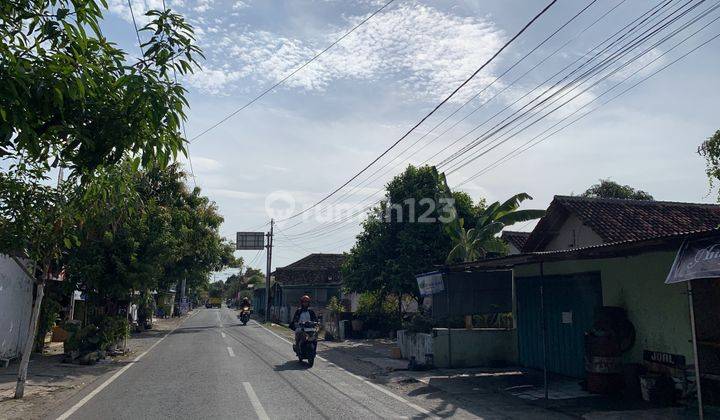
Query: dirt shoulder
x=51 y=382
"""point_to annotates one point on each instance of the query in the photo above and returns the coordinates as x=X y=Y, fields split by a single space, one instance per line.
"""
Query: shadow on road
x=291 y=365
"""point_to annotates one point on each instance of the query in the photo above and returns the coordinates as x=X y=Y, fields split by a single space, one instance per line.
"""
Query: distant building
x=515 y=240
x=317 y=275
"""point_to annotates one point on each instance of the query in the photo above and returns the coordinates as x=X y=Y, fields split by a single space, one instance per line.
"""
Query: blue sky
x=313 y=133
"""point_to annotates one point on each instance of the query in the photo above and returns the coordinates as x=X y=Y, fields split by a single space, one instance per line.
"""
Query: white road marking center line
x=374 y=385
x=259 y=410
x=231 y=352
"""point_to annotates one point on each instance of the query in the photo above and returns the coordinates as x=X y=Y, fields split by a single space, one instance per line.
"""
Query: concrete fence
x=461 y=347
x=416 y=345
x=16 y=296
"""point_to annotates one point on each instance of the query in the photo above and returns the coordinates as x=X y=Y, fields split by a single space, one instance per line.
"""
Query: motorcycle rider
x=302 y=314
x=245 y=303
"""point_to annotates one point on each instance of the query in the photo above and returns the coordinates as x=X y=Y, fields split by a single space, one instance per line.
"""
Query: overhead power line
x=443 y=102
x=629 y=28
x=542 y=136
x=372 y=177
x=469 y=159
x=317 y=233
x=292 y=73
x=558 y=84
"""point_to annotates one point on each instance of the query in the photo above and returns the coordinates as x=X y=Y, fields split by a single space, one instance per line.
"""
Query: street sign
x=430 y=283
x=698 y=258
x=250 y=241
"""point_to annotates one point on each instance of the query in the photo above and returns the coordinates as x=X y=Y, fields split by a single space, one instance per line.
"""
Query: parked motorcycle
x=245 y=314
x=306 y=346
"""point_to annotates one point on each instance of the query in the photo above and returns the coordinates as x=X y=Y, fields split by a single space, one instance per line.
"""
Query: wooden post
x=29 y=341
x=468 y=322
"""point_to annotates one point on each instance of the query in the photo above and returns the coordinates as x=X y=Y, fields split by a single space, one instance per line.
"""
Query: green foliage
x=68 y=93
x=101 y=336
x=49 y=312
x=710 y=150
x=112 y=329
x=84 y=339
x=391 y=250
x=334 y=306
x=35 y=219
x=473 y=244
x=611 y=189
x=378 y=312
x=420 y=322
x=216 y=290
x=144 y=230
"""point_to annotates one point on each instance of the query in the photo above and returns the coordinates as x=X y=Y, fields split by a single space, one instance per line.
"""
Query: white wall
x=16 y=290
x=573 y=234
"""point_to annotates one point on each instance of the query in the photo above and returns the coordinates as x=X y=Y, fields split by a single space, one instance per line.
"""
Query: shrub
x=420 y=322
x=113 y=329
x=49 y=312
x=378 y=313
x=83 y=339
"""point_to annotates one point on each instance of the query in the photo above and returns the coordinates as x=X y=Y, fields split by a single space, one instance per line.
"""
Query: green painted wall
x=475 y=347
x=637 y=283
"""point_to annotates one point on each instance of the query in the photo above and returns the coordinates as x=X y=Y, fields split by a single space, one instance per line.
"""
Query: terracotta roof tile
x=517 y=239
x=616 y=220
x=314 y=269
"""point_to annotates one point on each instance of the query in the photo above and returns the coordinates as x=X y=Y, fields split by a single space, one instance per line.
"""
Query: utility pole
x=267 y=273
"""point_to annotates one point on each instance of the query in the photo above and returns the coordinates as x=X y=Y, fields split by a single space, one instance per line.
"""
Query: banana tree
x=473 y=244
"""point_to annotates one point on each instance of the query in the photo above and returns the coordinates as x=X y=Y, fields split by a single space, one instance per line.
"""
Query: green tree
x=69 y=97
x=710 y=150
x=473 y=244
x=254 y=276
x=611 y=189
x=145 y=230
x=403 y=236
x=68 y=93
x=37 y=224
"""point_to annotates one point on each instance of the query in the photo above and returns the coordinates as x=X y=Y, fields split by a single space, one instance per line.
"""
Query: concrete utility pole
x=267 y=273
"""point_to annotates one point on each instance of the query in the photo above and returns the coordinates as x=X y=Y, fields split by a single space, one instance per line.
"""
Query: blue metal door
x=570 y=304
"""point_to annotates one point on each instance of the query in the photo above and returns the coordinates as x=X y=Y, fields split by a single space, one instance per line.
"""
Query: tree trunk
x=400 y=305
x=27 y=349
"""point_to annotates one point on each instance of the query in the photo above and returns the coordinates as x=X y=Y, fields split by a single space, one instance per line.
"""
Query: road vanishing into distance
x=214 y=367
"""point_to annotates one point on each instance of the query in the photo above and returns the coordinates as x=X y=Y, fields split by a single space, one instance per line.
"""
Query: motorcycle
x=306 y=346
x=245 y=315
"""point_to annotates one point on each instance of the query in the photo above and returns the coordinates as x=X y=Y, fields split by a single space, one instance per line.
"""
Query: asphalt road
x=214 y=367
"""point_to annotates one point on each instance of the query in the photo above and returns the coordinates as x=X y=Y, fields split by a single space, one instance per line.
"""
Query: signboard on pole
x=697 y=258
x=250 y=241
x=430 y=283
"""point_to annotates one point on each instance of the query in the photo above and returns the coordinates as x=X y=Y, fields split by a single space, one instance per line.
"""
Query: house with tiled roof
x=586 y=254
x=316 y=275
x=576 y=222
x=515 y=240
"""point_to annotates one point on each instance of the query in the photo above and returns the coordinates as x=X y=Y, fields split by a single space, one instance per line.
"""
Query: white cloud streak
x=429 y=51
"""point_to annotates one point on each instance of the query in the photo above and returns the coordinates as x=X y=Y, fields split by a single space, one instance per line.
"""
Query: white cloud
x=430 y=52
x=139 y=8
x=213 y=80
x=203 y=5
x=275 y=168
x=203 y=164
x=239 y=4
x=228 y=193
